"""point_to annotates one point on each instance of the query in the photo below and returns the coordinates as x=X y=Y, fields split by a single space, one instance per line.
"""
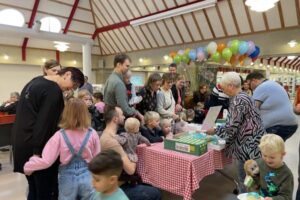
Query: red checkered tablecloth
x=176 y=172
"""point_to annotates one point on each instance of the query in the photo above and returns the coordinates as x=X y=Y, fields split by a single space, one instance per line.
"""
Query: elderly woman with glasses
x=243 y=129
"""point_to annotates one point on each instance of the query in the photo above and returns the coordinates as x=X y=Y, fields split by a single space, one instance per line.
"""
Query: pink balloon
x=251 y=47
x=200 y=56
x=180 y=52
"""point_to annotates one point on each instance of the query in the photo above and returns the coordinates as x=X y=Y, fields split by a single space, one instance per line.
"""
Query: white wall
x=14 y=77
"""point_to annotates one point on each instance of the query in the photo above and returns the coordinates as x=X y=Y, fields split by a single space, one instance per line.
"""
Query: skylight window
x=50 y=24
x=12 y=17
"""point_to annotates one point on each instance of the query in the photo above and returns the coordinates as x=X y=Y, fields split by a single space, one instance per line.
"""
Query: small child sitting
x=151 y=131
x=181 y=123
x=106 y=168
x=98 y=99
x=165 y=125
x=276 y=179
x=190 y=115
x=131 y=138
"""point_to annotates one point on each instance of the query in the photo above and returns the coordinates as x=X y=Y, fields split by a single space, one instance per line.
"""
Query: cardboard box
x=195 y=144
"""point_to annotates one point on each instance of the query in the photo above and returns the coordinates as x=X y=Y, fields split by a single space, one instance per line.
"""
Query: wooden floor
x=13 y=186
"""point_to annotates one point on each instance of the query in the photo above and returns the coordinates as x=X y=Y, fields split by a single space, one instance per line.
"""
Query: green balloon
x=177 y=59
x=235 y=44
x=226 y=54
x=216 y=57
x=185 y=58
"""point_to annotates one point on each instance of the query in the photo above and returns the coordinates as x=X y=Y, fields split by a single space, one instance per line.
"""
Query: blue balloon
x=255 y=53
x=200 y=49
x=193 y=54
x=243 y=48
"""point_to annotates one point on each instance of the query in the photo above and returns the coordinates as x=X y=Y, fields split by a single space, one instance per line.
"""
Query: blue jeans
x=141 y=192
x=285 y=132
x=75 y=182
x=241 y=175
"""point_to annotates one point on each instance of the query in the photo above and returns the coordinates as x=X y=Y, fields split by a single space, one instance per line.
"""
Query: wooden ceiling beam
x=95 y=24
x=281 y=14
x=234 y=18
x=32 y=17
x=127 y=23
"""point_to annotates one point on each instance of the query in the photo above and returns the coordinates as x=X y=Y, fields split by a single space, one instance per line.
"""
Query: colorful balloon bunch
x=235 y=52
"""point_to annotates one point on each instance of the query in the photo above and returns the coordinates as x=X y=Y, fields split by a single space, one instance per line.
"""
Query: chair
x=6 y=124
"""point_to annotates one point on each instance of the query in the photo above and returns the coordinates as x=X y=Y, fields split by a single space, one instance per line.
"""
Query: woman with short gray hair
x=243 y=129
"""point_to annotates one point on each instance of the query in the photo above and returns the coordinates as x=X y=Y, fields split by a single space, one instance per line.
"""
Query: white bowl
x=243 y=196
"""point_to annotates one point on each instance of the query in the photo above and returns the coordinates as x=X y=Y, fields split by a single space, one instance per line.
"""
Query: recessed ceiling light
x=141 y=60
x=44 y=59
x=166 y=57
x=61 y=46
x=292 y=43
x=6 y=57
x=291 y=57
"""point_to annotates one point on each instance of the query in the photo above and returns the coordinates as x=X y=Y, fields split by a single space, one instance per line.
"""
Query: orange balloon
x=220 y=47
x=172 y=54
x=242 y=63
x=242 y=58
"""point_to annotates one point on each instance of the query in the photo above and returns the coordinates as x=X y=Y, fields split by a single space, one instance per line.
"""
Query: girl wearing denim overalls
x=76 y=144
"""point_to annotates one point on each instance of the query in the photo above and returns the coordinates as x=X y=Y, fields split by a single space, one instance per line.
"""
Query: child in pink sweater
x=76 y=144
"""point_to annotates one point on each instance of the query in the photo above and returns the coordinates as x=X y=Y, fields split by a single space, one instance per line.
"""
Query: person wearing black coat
x=38 y=114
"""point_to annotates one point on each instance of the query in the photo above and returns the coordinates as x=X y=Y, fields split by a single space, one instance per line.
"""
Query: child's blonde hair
x=83 y=93
x=182 y=116
x=164 y=122
x=150 y=115
x=272 y=143
x=75 y=115
x=131 y=124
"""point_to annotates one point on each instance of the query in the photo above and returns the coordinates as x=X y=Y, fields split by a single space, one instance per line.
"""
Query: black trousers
x=298 y=190
x=43 y=184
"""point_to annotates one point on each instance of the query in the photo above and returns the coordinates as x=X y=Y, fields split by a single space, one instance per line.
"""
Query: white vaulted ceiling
x=108 y=22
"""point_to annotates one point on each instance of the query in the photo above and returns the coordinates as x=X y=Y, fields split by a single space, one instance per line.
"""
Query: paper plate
x=244 y=196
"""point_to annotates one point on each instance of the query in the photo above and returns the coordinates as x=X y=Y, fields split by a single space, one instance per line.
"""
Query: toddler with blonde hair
x=151 y=129
x=276 y=179
x=166 y=127
x=131 y=138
